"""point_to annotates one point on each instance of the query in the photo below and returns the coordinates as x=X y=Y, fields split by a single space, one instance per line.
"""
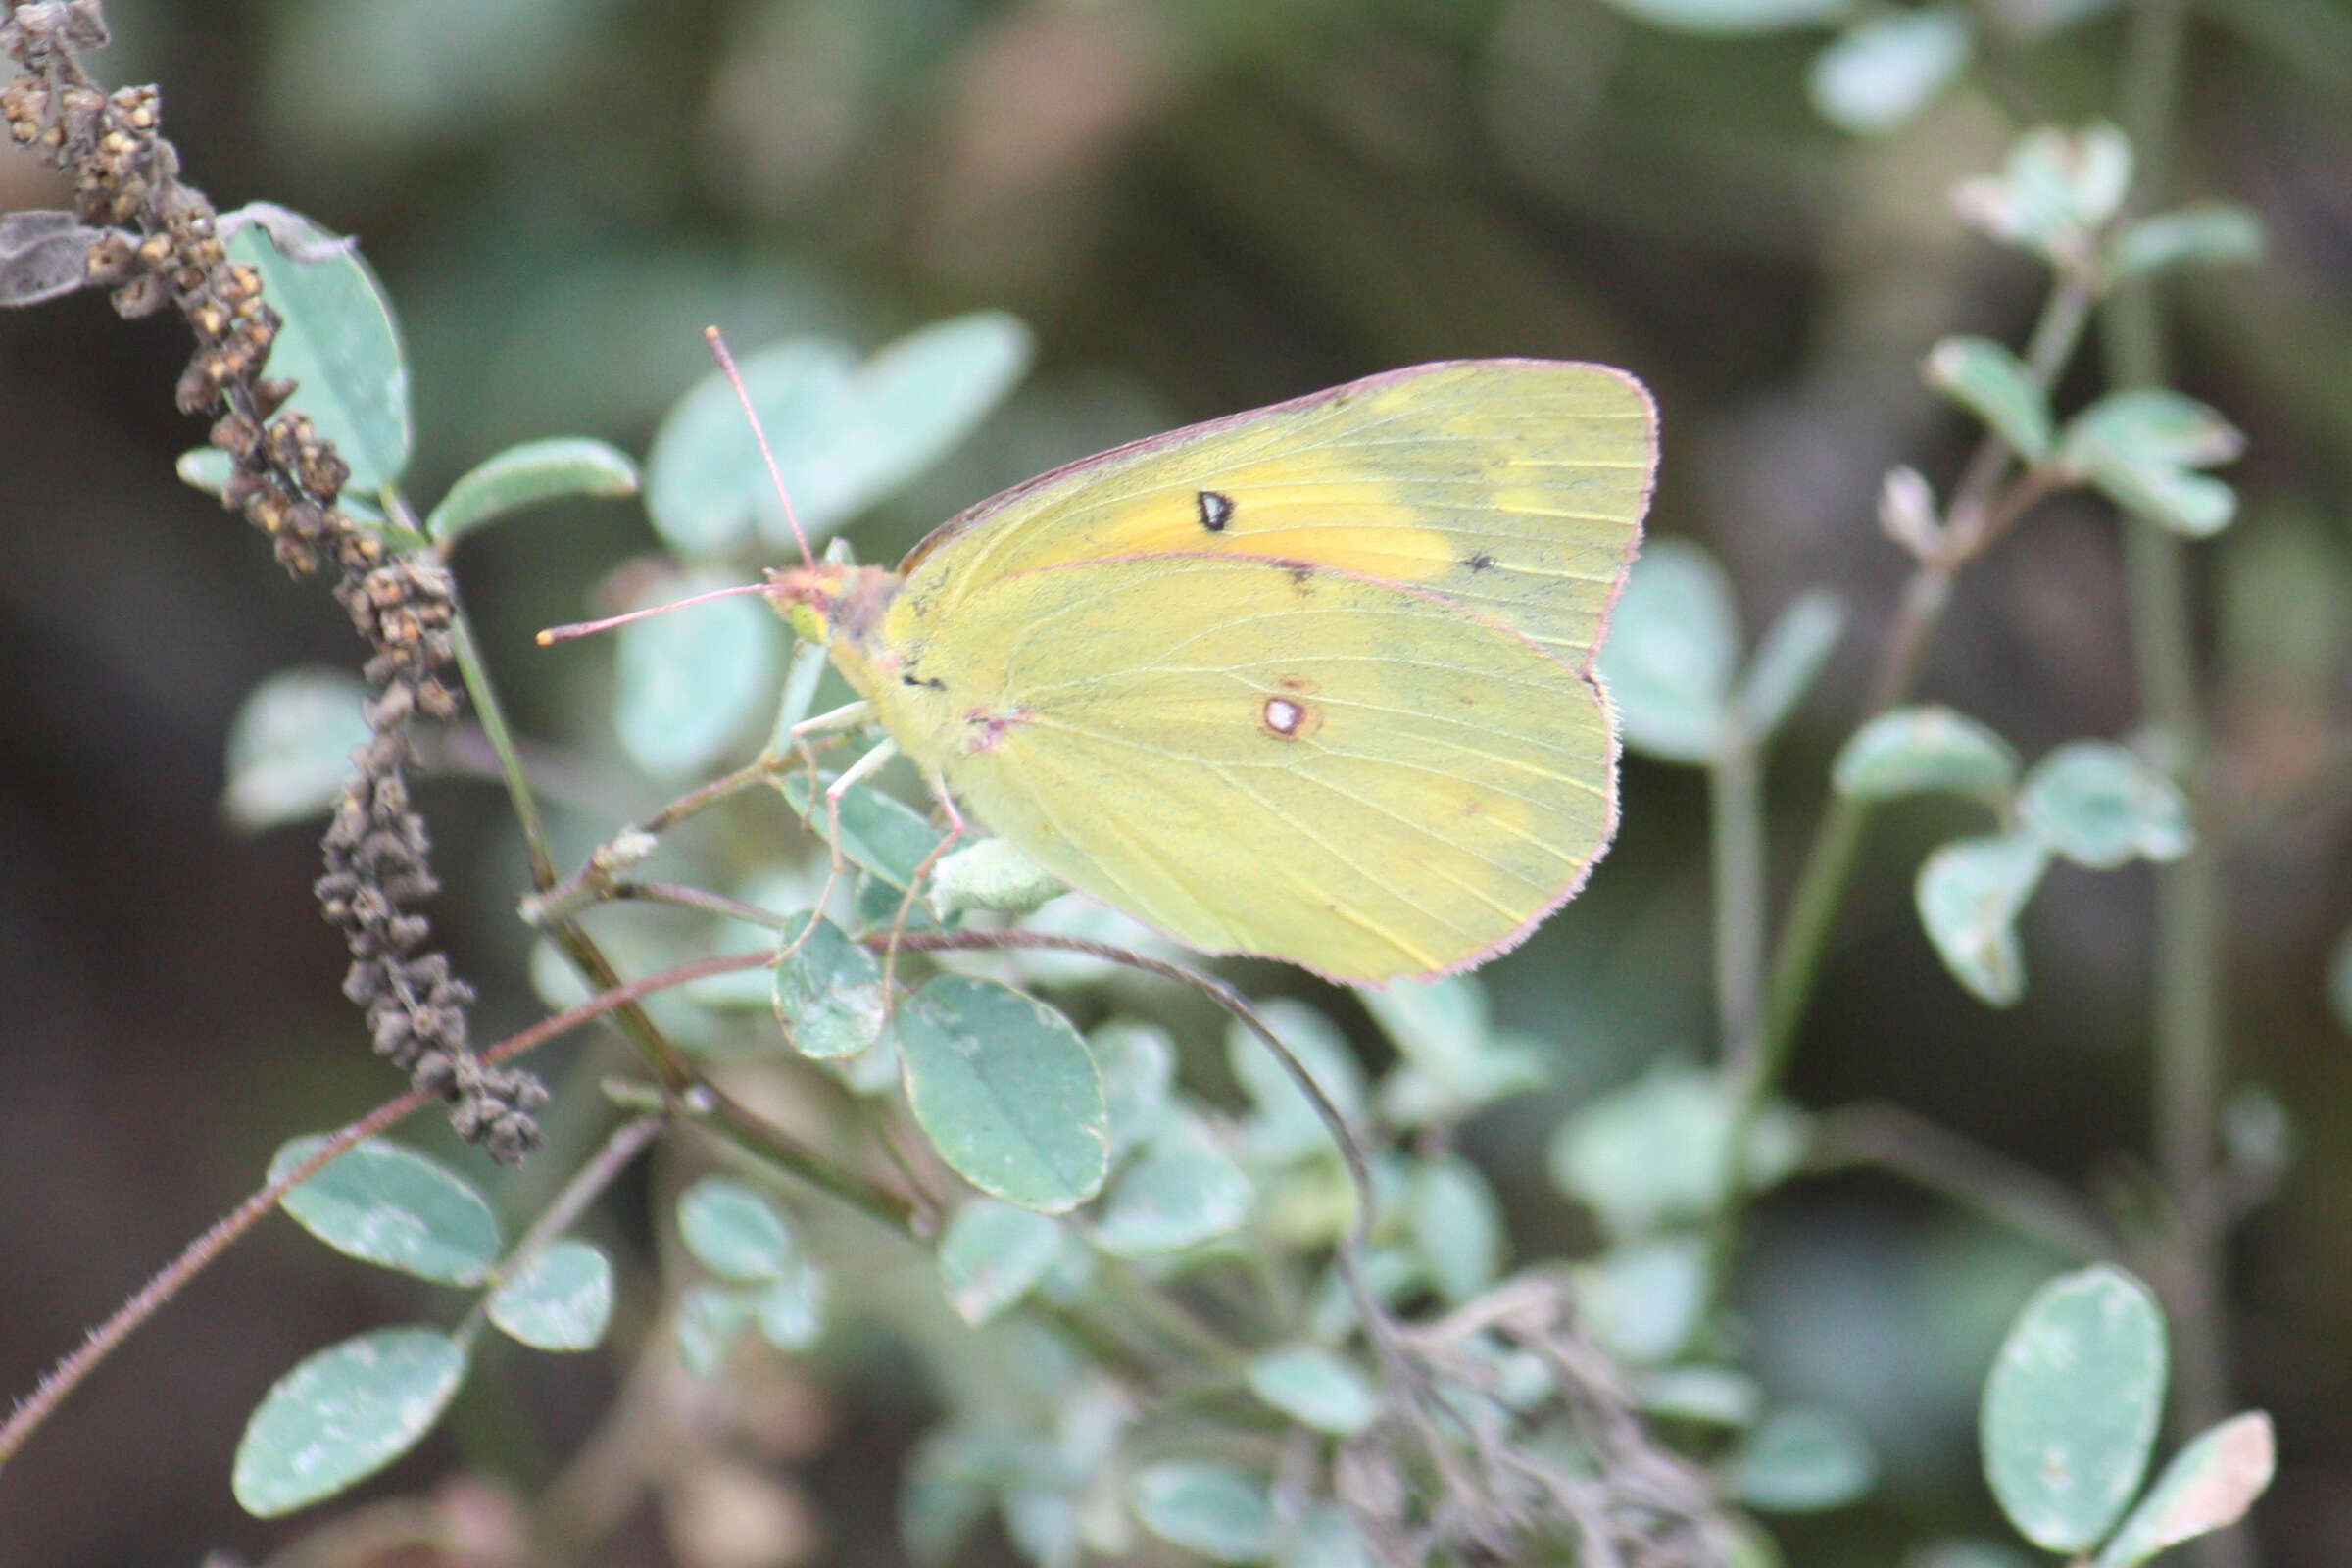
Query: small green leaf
x=561 y=1299
x=1182 y=1191
x=880 y=834
x=1734 y=18
x=2072 y=1406
x=340 y=344
x=828 y=993
x=1042 y=1523
x=1912 y=751
x=993 y=875
x=791 y=1310
x=1212 y=1509
x=342 y=1415
x=1984 y=377
x=946 y=1487
x=1658 y=1150
x=735 y=1231
x=1883 y=70
x=1802 y=1461
x=527 y=475
x=845 y=434
x=2208 y=234
x=1644 y=1300
x=709 y=1319
x=1456 y=1061
x=917 y=400
x=1457 y=1227
x=690 y=683
x=1325 y=1537
x=1007 y=1091
x=2138 y=446
x=1286 y=1127
x=1789 y=660
x=2056 y=188
x=992 y=1256
x=1966 y=1552
x=385 y=1205
x=1969 y=894
x=290 y=745
x=1138 y=1062
x=1672 y=649
x=205 y=468
x=2209 y=1486
x=2099 y=805
x=1317 y=1388
x=1707 y=1395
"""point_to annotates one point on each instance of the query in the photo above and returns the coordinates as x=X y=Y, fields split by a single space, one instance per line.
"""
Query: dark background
x=1198 y=207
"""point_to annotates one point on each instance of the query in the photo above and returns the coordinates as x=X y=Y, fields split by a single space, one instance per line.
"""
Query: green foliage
x=560 y=1299
x=1007 y=1092
x=342 y=1415
x=289 y=748
x=386 y=1205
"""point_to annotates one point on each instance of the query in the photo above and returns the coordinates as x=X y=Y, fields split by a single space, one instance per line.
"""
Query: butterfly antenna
x=726 y=367
x=589 y=628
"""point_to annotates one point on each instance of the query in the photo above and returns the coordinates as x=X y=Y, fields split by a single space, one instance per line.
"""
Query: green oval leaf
x=1316 y=1388
x=1286 y=1126
x=1325 y=1537
x=2208 y=234
x=706 y=484
x=1732 y=18
x=342 y=1415
x=2209 y=1486
x=1672 y=649
x=2099 y=805
x=388 y=1205
x=2138 y=446
x=2072 y=1406
x=880 y=834
x=735 y=1231
x=561 y=1300
x=1912 y=751
x=1802 y=1461
x=1659 y=1151
x=339 y=342
x=791 y=1310
x=1007 y=1091
x=1218 y=1511
x=1138 y=1064
x=897 y=414
x=1457 y=1227
x=1789 y=660
x=993 y=1254
x=1984 y=377
x=828 y=993
x=709 y=1319
x=1969 y=894
x=1644 y=1300
x=527 y=475
x=2056 y=188
x=1182 y=1192
x=290 y=745
x=1708 y=1395
x=688 y=684
x=995 y=874
x=1882 y=70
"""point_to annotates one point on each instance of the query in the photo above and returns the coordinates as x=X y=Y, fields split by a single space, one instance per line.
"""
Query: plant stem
x=2185 y=1006
x=1736 y=797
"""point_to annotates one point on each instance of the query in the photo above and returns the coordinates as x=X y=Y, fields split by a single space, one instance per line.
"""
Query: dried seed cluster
x=160 y=247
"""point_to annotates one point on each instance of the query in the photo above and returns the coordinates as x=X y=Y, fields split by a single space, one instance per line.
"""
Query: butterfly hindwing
x=1281 y=760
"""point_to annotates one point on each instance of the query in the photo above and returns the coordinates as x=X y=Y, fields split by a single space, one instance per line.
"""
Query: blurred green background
x=1199 y=204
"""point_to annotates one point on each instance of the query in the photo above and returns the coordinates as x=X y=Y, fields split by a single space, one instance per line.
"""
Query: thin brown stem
x=2013 y=1196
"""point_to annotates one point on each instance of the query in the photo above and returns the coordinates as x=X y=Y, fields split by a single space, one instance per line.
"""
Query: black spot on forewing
x=1217 y=510
x=1480 y=562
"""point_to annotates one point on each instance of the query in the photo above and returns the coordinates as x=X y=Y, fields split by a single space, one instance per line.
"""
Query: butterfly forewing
x=1513 y=487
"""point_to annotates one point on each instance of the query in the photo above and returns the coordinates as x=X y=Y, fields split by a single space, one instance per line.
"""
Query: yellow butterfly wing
x=1312 y=682
x=1285 y=760
x=1512 y=487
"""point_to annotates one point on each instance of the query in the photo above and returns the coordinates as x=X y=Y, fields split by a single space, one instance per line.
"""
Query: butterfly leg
x=956 y=828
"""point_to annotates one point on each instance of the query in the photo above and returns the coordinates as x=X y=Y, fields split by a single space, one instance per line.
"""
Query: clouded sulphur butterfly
x=1312 y=682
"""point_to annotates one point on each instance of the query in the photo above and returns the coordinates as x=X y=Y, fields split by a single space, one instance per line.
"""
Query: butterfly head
x=833 y=604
